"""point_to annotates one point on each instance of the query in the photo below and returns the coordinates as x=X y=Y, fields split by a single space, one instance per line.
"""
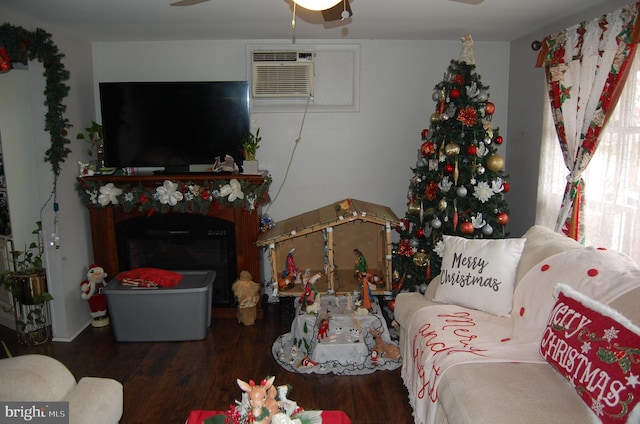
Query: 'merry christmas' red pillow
x=598 y=351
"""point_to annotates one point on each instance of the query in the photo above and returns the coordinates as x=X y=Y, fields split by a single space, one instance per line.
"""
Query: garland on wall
x=171 y=196
x=17 y=45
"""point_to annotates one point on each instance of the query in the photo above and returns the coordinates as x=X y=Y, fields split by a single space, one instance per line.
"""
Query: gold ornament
x=420 y=258
x=435 y=117
x=414 y=208
x=451 y=149
x=495 y=162
x=442 y=205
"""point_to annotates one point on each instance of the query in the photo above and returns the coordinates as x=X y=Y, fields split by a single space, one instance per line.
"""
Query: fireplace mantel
x=246 y=220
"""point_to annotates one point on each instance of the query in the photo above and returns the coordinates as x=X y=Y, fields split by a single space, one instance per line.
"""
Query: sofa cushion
x=478 y=273
x=597 y=350
x=542 y=242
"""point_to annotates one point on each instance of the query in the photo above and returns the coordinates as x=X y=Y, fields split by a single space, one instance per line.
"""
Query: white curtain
x=612 y=178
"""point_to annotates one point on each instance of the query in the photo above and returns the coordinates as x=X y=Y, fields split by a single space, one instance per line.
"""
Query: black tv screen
x=173 y=124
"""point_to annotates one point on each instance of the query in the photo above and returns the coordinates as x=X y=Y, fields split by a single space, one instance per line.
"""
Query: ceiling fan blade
x=335 y=13
x=187 y=2
x=474 y=2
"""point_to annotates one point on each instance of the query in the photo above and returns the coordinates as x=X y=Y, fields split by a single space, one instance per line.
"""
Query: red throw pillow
x=598 y=351
x=160 y=277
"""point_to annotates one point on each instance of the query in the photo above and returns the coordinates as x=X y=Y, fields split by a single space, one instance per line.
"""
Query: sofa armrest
x=407 y=304
x=96 y=401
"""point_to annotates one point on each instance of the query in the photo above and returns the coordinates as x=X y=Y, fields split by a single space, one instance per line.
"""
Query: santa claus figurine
x=91 y=289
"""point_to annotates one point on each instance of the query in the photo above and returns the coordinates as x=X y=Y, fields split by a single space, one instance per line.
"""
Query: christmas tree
x=459 y=177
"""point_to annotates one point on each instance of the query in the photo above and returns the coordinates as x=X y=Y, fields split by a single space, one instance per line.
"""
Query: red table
x=328 y=417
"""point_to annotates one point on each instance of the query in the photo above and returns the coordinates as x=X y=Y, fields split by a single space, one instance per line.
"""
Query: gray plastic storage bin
x=157 y=314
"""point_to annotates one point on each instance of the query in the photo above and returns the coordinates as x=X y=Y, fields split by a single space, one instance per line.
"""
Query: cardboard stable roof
x=331 y=215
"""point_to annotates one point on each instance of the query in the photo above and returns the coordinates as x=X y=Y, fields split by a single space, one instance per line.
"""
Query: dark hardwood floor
x=164 y=381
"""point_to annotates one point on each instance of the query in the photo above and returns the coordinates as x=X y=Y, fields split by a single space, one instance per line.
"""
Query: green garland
x=170 y=196
x=21 y=46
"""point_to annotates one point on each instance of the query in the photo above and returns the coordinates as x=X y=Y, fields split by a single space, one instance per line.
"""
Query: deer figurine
x=261 y=398
x=388 y=350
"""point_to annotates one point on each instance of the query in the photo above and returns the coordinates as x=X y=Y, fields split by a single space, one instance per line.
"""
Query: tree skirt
x=335 y=340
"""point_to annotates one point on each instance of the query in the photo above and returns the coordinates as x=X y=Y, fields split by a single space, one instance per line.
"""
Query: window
x=612 y=178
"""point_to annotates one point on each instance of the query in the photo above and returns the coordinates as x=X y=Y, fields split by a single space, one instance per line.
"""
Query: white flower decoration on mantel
x=233 y=190
x=168 y=193
x=109 y=194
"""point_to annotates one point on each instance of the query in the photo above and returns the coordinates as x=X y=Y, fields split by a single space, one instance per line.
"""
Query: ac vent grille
x=282 y=74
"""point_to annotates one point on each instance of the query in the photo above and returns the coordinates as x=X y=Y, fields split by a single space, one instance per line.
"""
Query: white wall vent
x=282 y=73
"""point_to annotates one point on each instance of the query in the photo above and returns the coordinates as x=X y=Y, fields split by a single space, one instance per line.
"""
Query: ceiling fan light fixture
x=316 y=4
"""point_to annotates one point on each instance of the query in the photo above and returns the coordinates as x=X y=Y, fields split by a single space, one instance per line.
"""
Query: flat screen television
x=173 y=125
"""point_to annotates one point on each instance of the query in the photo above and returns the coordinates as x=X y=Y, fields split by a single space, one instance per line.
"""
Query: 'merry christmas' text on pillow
x=479 y=273
x=598 y=351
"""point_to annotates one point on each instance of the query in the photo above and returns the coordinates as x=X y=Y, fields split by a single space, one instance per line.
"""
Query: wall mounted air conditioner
x=277 y=74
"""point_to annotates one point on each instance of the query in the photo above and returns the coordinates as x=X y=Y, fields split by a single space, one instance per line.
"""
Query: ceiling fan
x=332 y=10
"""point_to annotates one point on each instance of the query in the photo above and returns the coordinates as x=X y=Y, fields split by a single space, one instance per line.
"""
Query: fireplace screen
x=181 y=242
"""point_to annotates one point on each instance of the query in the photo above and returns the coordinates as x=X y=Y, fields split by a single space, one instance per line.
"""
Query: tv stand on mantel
x=246 y=224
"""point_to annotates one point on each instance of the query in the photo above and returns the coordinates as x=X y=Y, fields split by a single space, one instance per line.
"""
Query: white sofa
x=517 y=384
x=40 y=378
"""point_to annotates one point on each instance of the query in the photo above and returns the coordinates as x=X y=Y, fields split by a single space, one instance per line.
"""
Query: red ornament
x=458 y=79
x=472 y=150
x=502 y=218
x=392 y=304
x=448 y=168
x=468 y=116
x=427 y=148
x=506 y=187
x=490 y=108
x=454 y=93
x=466 y=227
x=5 y=61
x=499 y=139
x=431 y=191
x=420 y=232
x=424 y=133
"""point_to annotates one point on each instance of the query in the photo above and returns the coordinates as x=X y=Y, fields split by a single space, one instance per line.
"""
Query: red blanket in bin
x=328 y=417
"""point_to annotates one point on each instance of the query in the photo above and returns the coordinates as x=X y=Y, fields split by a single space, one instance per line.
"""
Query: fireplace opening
x=177 y=241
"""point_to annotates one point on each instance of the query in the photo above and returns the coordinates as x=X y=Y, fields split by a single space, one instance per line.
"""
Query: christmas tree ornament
x=448 y=168
x=461 y=191
x=490 y=108
x=436 y=223
x=454 y=93
x=505 y=187
x=456 y=173
x=425 y=133
x=480 y=169
x=451 y=149
x=420 y=232
x=420 y=258
x=487 y=140
x=495 y=162
x=458 y=79
x=472 y=150
x=442 y=205
x=502 y=218
x=413 y=207
x=487 y=230
x=428 y=148
x=454 y=219
x=466 y=227
x=414 y=243
x=435 y=117
x=499 y=140
x=468 y=116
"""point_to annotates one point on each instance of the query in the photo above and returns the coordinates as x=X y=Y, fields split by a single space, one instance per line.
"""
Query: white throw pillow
x=479 y=273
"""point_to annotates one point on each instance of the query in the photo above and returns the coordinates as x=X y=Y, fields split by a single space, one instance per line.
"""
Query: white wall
x=366 y=154
x=66 y=266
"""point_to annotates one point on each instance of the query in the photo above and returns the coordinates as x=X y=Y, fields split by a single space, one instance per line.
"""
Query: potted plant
x=94 y=136
x=250 y=144
x=27 y=283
